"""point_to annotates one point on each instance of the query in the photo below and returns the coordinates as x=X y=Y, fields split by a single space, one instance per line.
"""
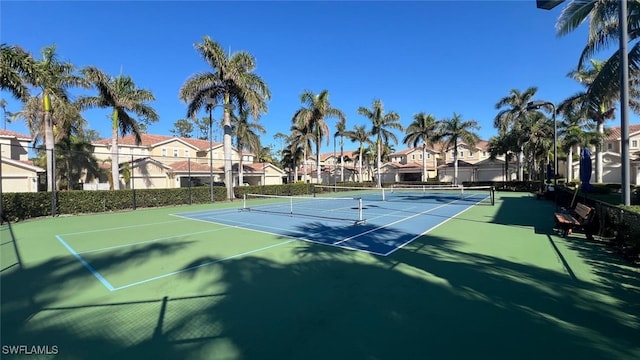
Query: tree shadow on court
x=29 y=295
x=311 y=301
x=524 y=211
x=433 y=303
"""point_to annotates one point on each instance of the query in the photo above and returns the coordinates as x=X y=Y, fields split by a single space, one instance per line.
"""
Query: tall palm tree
x=602 y=18
x=316 y=108
x=503 y=144
x=360 y=135
x=123 y=96
x=598 y=109
x=231 y=81
x=54 y=78
x=291 y=156
x=17 y=68
x=341 y=127
x=300 y=139
x=511 y=114
x=422 y=129
x=454 y=130
x=382 y=124
x=246 y=135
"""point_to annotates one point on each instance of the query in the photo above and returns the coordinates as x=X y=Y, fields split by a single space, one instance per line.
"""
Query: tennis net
x=482 y=195
x=331 y=208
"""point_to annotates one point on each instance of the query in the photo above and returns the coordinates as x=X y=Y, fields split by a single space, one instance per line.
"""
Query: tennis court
x=344 y=274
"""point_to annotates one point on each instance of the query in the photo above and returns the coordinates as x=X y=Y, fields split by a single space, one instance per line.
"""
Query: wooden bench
x=579 y=218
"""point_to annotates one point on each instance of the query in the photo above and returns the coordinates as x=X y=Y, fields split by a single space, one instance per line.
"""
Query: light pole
x=535 y=105
x=335 y=164
x=211 y=102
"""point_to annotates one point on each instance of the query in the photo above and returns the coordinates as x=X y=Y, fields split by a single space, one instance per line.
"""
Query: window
x=164 y=152
x=420 y=156
x=428 y=156
x=470 y=154
x=609 y=146
x=461 y=154
x=413 y=157
x=634 y=143
x=175 y=152
x=186 y=153
x=484 y=154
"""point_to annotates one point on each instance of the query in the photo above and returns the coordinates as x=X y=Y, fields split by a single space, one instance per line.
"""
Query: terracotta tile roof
x=15 y=134
x=346 y=153
x=151 y=140
x=185 y=166
x=615 y=132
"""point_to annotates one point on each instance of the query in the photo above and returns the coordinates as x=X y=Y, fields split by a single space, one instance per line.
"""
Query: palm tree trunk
x=49 y=149
x=360 y=165
x=599 y=153
x=455 y=168
x=378 y=159
x=318 y=179
x=341 y=158
x=115 y=163
x=424 y=162
x=570 y=164
x=304 y=164
x=240 y=172
x=226 y=146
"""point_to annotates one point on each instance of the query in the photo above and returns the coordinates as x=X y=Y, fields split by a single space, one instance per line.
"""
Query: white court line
x=119 y=228
x=398 y=221
x=426 y=231
x=247 y=226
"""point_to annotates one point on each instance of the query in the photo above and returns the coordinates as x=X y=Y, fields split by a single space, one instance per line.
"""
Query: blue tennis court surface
x=387 y=226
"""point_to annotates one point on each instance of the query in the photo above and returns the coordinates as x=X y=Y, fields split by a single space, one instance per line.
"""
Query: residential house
x=161 y=161
x=17 y=173
x=406 y=165
x=612 y=158
x=475 y=164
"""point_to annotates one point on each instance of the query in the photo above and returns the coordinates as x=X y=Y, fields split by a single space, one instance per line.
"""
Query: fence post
x=189 y=172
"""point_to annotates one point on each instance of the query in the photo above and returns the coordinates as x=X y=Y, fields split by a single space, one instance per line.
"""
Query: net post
x=493 y=195
x=244 y=201
x=360 y=210
x=384 y=195
x=291 y=205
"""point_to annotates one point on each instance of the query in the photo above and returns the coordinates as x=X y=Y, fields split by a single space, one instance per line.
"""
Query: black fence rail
x=615 y=225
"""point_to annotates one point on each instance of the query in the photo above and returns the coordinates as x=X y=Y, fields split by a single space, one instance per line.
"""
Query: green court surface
x=493 y=282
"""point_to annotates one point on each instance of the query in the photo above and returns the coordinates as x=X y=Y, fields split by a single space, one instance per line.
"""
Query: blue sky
x=437 y=57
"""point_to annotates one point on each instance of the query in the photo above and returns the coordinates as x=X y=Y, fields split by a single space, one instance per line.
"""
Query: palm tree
x=341 y=127
x=3 y=105
x=422 y=129
x=381 y=124
x=453 y=130
x=604 y=32
x=512 y=112
x=598 y=109
x=123 y=96
x=291 y=156
x=315 y=110
x=245 y=133
x=360 y=135
x=53 y=78
x=231 y=81
x=17 y=69
x=503 y=144
x=301 y=138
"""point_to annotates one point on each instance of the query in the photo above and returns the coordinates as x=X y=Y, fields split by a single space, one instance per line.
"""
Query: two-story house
x=407 y=165
x=18 y=174
x=475 y=164
x=612 y=159
x=161 y=161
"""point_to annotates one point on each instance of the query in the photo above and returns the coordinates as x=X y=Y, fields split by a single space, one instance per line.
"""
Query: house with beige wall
x=612 y=159
x=17 y=173
x=161 y=161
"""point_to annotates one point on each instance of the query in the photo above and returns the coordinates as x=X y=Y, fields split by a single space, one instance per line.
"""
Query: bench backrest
x=583 y=211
